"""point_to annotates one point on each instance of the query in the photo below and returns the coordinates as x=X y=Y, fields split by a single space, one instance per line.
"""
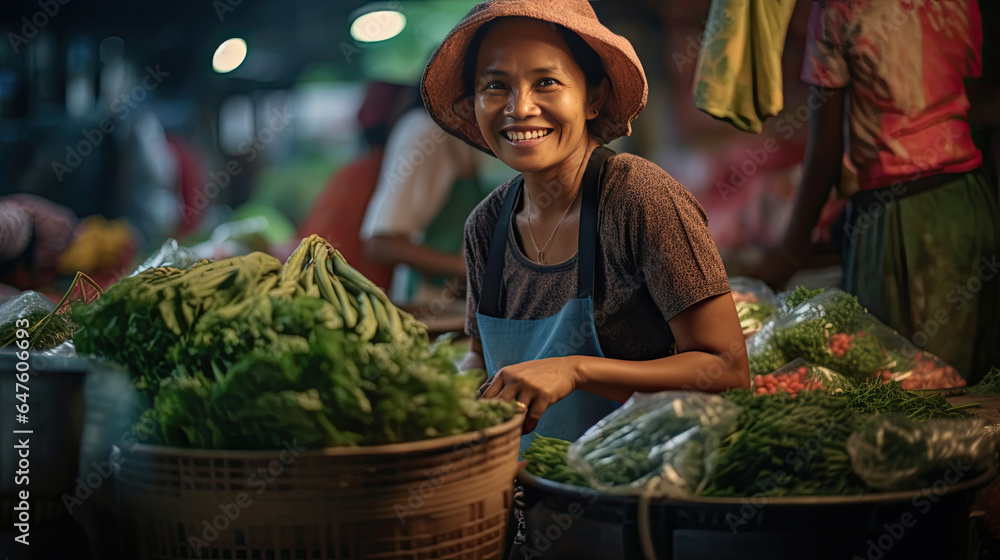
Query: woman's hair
x=583 y=54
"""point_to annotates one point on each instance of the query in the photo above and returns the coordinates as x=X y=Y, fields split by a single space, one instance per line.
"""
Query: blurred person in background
x=149 y=179
x=922 y=224
x=338 y=212
x=427 y=188
x=34 y=232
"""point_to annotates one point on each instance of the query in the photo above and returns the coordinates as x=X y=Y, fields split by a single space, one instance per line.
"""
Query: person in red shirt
x=922 y=227
x=338 y=213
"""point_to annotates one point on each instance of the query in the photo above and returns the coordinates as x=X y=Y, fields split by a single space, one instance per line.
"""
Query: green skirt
x=923 y=259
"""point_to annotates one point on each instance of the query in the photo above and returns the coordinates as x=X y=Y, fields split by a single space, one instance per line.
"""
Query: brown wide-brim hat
x=449 y=106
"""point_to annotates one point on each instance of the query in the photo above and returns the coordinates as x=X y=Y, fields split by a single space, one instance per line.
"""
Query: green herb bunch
x=989 y=384
x=547 y=458
x=820 y=336
x=785 y=446
x=247 y=353
x=876 y=397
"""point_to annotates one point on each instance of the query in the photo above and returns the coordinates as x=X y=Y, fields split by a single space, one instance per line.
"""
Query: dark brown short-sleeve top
x=655 y=258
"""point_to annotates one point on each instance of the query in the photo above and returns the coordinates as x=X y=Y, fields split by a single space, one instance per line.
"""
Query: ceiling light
x=378 y=25
x=229 y=55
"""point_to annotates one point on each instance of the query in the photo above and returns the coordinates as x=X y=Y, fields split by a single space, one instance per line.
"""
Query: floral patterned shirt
x=903 y=62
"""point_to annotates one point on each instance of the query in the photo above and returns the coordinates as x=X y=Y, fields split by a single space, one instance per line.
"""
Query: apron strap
x=489 y=300
x=587 y=245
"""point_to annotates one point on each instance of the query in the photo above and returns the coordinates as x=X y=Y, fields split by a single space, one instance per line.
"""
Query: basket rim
x=982 y=479
x=404 y=448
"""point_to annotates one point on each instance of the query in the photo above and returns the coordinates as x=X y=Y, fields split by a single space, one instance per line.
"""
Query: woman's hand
x=538 y=384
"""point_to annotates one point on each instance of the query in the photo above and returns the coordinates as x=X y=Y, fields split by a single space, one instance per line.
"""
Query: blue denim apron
x=570 y=332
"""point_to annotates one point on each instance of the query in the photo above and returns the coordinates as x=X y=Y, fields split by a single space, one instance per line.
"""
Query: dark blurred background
x=113 y=108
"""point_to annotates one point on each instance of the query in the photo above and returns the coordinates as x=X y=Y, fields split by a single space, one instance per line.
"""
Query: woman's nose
x=521 y=105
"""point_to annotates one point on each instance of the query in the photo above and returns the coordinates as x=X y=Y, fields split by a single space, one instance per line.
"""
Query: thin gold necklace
x=541 y=252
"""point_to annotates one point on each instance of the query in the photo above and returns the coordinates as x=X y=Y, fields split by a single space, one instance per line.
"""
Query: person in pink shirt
x=922 y=226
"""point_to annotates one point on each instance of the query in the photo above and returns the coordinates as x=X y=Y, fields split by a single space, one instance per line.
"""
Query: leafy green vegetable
x=989 y=384
x=247 y=353
x=56 y=330
x=547 y=458
x=753 y=314
x=785 y=446
x=800 y=295
x=875 y=397
x=835 y=333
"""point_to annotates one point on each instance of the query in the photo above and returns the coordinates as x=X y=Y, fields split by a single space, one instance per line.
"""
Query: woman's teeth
x=530 y=135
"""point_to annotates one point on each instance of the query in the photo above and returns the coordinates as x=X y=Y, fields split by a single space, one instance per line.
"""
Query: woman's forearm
x=695 y=370
x=398 y=249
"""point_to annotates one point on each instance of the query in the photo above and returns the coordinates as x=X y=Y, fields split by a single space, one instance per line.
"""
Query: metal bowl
x=571 y=522
x=55 y=419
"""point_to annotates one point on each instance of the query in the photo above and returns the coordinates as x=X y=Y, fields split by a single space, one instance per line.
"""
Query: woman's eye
x=547 y=82
x=493 y=85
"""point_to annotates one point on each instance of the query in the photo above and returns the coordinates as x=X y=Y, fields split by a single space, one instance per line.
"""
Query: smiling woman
x=626 y=291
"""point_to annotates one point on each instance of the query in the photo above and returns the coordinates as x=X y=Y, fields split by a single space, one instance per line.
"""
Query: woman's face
x=531 y=98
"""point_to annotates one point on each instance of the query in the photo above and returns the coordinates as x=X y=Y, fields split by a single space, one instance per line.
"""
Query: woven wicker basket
x=441 y=498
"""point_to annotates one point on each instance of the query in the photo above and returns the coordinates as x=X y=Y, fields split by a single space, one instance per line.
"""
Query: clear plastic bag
x=893 y=452
x=799 y=375
x=33 y=313
x=834 y=331
x=671 y=437
x=754 y=301
x=752 y=290
x=170 y=254
x=916 y=369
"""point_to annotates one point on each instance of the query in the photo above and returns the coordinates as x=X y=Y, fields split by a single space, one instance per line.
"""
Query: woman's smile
x=522 y=137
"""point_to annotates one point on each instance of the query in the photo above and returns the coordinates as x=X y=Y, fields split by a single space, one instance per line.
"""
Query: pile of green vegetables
x=32 y=316
x=45 y=331
x=876 y=397
x=990 y=383
x=787 y=446
x=656 y=436
x=247 y=353
x=753 y=314
x=812 y=338
x=782 y=445
x=547 y=458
